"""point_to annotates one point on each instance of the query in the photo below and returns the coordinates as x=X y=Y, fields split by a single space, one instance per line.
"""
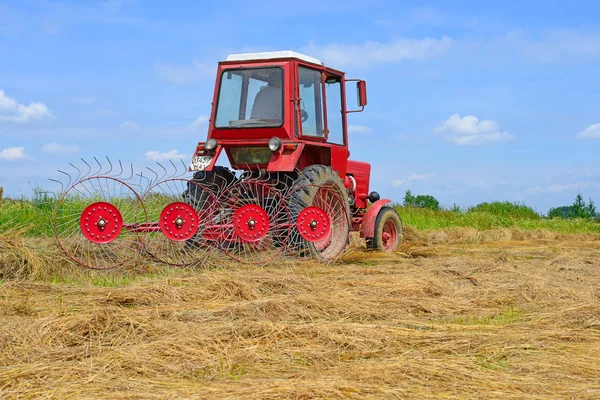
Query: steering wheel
x=303 y=115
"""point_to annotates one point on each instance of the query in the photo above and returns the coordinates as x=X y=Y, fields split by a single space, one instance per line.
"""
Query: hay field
x=453 y=314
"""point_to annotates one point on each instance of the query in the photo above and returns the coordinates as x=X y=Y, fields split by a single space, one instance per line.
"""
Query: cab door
x=321 y=99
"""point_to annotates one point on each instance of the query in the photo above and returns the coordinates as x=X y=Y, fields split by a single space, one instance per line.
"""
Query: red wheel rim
x=313 y=224
x=389 y=236
x=179 y=221
x=101 y=222
x=251 y=223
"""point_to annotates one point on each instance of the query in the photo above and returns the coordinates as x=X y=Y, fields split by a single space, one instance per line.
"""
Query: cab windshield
x=251 y=97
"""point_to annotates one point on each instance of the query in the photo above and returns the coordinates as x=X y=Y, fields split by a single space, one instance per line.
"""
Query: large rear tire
x=319 y=186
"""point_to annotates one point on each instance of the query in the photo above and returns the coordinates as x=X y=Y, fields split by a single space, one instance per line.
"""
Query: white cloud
x=55 y=148
x=559 y=188
x=467 y=125
x=12 y=111
x=14 y=154
x=359 y=129
x=372 y=53
x=592 y=131
x=414 y=177
x=470 y=131
x=181 y=74
x=154 y=155
x=201 y=120
x=130 y=125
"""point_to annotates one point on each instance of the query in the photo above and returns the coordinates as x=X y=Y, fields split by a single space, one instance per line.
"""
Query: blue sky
x=468 y=101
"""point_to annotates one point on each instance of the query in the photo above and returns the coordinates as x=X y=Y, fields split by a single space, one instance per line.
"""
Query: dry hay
x=475 y=315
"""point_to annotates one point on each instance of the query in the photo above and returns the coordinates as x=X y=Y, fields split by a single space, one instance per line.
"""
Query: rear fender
x=367 y=229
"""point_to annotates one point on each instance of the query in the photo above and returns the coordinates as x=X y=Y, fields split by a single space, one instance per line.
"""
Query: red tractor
x=281 y=120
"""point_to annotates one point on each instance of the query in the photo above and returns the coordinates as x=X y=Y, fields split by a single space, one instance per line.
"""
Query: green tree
x=579 y=207
x=409 y=199
x=591 y=210
x=421 y=201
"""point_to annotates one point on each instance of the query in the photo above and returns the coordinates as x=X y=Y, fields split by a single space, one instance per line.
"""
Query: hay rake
x=292 y=190
x=103 y=221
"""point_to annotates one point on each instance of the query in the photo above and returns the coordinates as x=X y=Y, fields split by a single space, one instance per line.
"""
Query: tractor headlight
x=274 y=144
x=210 y=144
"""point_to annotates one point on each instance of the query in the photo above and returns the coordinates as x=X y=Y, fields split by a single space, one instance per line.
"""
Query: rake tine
x=185 y=168
x=99 y=166
x=78 y=171
x=110 y=165
x=120 y=166
x=165 y=172
x=68 y=176
x=62 y=187
x=141 y=186
x=89 y=168
x=131 y=175
x=155 y=175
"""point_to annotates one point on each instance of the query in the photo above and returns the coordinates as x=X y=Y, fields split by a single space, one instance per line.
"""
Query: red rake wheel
x=93 y=222
x=101 y=222
x=256 y=222
x=313 y=224
x=251 y=223
x=179 y=221
x=181 y=212
x=322 y=222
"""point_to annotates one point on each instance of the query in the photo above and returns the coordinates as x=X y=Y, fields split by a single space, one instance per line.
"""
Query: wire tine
x=175 y=170
x=185 y=169
x=62 y=186
x=165 y=172
x=120 y=166
x=155 y=174
x=110 y=165
x=78 y=172
x=68 y=176
x=149 y=184
x=89 y=168
x=99 y=167
x=131 y=175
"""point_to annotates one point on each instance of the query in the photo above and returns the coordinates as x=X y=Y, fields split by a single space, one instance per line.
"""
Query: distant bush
x=579 y=209
x=506 y=208
x=421 y=201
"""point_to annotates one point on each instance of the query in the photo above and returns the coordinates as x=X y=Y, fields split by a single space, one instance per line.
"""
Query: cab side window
x=312 y=103
x=334 y=111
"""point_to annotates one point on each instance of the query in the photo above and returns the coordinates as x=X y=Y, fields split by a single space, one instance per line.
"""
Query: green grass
x=35 y=216
x=489 y=218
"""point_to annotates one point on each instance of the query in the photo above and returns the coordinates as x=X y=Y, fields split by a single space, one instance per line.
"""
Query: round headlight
x=274 y=144
x=210 y=144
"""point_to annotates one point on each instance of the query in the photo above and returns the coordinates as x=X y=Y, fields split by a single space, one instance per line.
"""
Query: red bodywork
x=298 y=151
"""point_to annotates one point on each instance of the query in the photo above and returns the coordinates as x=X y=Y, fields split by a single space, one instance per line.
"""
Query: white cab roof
x=272 y=55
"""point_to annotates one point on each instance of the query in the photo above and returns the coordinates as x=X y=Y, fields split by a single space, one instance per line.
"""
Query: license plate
x=199 y=163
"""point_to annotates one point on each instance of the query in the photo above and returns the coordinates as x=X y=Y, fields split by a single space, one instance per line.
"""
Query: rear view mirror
x=361 y=93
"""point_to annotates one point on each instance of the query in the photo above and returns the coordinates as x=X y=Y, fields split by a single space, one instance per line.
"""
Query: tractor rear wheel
x=388 y=231
x=320 y=213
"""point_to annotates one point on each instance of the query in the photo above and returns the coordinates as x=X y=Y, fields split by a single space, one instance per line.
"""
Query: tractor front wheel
x=388 y=231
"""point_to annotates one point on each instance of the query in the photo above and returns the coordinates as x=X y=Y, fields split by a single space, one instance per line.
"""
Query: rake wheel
x=320 y=213
x=256 y=222
x=92 y=222
x=179 y=237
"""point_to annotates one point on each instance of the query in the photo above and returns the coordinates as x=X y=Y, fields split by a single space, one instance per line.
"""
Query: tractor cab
x=278 y=111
